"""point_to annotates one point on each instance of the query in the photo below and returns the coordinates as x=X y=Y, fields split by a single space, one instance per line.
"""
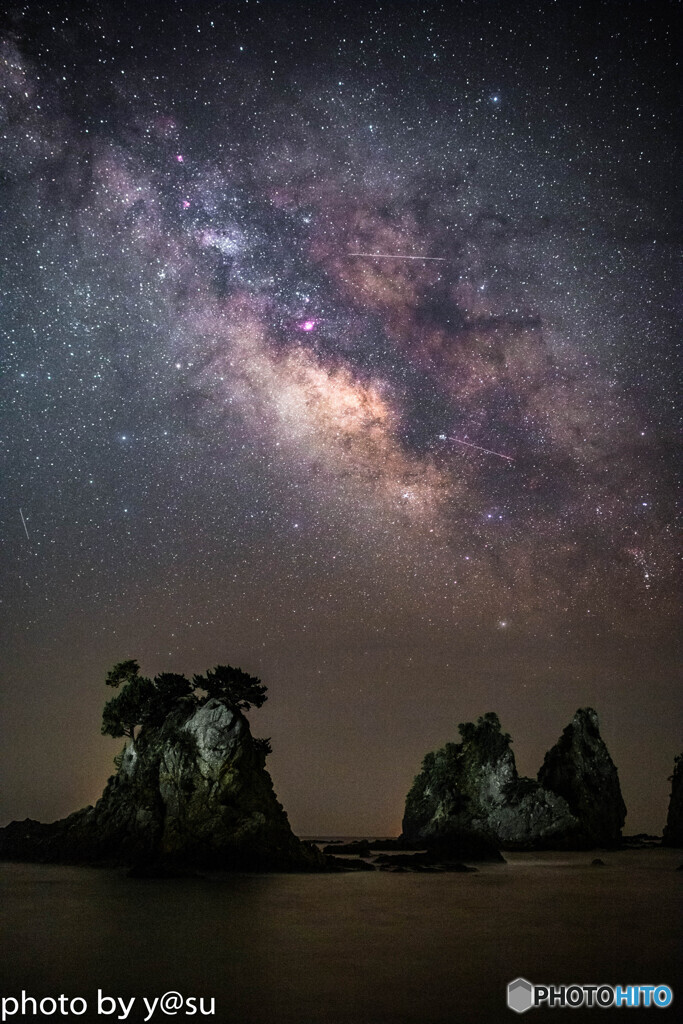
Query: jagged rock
x=191 y=791
x=472 y=790
x=673 y=830
x=579 y=769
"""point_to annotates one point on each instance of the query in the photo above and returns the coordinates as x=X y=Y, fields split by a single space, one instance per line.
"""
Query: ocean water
x=374 y=948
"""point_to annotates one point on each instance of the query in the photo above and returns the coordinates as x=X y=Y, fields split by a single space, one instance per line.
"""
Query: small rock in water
x=360 y=847
x=351 y=864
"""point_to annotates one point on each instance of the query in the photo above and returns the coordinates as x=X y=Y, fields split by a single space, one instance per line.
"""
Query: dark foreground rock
x=440 y=854
x=640 y=841
x=190 y=792
x=428 y=860
x=579 y=769
x=400 y=844
x=472 y=789
x=453 y=845
x=429 y=869
x=359 y=847
x=350 y=864
x=673 y=831
x=463 y=846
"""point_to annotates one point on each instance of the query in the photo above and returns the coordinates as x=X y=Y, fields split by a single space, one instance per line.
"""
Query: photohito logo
x=522 y=995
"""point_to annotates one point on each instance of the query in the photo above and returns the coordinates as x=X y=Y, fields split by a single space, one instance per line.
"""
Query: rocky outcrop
x=580 y=769
x=673 y=831
x=472 y=789
x=192 y=791
x=360 y=848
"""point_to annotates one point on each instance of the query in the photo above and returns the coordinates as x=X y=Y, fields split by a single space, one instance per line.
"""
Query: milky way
x=235 y=433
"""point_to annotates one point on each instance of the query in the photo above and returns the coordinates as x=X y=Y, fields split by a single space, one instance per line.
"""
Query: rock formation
x=673 y=831
x=472 y=789
x=579 y=769
x=191 y=791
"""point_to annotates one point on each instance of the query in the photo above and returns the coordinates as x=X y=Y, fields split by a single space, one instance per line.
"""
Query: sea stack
x=580 y=769
x=473 y=788
x=673 y=831
x=191 y=791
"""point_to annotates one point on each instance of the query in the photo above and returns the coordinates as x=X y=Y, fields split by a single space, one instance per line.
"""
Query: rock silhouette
x=192 y=791
x=580 y=769
x=473 y=788
x=673 y=830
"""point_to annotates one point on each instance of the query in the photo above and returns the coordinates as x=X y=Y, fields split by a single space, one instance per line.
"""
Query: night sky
x=403 y=492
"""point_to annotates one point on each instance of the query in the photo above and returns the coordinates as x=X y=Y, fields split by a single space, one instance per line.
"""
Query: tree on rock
x=141 y=701
x=146 y=702
x=122 y=672
x=233 y=687
x=170 y=690
x=131 y=705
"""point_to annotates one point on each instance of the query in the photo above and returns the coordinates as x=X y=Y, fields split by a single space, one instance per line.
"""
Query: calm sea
x=345 y=949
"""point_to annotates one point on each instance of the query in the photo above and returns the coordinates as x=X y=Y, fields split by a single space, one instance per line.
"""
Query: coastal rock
x=472 y=790
x=426 y=861
x=191 y=791
x=580 y=769
x=359 y=847
x=641 y=841
x=349 y=864
x=673 y=831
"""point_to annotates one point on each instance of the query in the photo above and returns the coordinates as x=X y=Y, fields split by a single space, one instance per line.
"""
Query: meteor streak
x=480 y=449
x=24 y=522
x=394 y=256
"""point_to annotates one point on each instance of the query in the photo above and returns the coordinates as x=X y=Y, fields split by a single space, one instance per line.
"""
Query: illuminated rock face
x=473 y=788
x=673 y=832
x=193 y=791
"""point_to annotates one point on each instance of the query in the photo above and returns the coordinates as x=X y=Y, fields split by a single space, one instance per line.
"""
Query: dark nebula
x=402 y=491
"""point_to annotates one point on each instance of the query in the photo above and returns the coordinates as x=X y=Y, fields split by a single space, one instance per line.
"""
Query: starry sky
x=338 y=343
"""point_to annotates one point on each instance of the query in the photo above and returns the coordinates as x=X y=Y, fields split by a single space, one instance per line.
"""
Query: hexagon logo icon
x=520 y=995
